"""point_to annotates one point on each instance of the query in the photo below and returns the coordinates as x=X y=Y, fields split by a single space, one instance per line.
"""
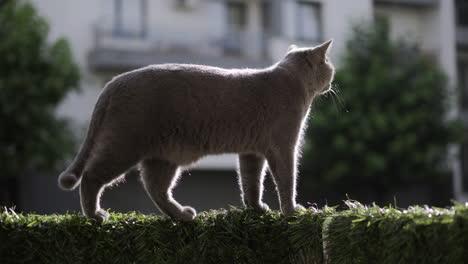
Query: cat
x=168 y=116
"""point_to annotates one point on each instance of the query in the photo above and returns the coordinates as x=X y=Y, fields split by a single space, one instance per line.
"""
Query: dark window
x=463 y=82
x=266 y=16
x=464 y=161
x=236 y=15
x=461 y=10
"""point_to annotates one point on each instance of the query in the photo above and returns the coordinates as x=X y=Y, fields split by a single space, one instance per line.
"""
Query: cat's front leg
x=251 y=176
x=282 y=164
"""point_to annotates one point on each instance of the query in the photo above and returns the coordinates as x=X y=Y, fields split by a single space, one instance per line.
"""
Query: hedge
x=359 y=234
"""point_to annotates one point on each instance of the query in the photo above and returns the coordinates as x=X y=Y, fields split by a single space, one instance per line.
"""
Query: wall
x=206 y=21
x=338 y=18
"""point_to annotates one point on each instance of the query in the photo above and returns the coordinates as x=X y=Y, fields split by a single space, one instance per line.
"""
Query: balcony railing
x=114 y=50
x=112 y=38
x=234 y=42
x=167 y=42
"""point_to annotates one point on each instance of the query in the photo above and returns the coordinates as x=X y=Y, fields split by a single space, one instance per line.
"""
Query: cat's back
x=165 y=82
x=158 y=72
x=185 y=72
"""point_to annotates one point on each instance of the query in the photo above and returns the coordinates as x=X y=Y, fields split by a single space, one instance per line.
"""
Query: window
x=181 y=3
x=461 y=10
x=236 y=15
x=463 y=81
x=266 y=16
x=236 y=23
x=129 y=18
x=464 y=164
x=185 y=4
x=308 y=21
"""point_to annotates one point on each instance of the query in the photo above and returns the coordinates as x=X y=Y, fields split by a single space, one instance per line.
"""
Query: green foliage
x=386 y=128
x=359 y=234
x=34 y=78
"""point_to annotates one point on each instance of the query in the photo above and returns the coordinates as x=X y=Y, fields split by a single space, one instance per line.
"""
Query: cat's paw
x=262 y=207
x=299 y=207
x=100 y=216
x=291 y=211
x=187 y=214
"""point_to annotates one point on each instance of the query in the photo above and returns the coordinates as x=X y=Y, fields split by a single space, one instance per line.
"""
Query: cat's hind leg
x=159 y=178
x=251 y=177
x=102 y=171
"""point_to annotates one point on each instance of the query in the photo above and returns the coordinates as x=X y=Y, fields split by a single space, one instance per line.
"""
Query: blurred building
x=112 y=36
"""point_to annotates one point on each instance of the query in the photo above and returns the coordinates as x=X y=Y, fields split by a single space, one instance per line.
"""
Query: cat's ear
x=324 y=47
x=291 y=47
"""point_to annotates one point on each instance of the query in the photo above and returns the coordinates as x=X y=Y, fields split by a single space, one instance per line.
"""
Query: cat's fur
x=168 y=116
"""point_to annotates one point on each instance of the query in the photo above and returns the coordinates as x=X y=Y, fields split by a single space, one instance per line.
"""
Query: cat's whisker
x=339 y=98
x=333 y=94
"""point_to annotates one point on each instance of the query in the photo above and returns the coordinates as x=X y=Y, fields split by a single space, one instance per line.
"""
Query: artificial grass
x=417 y=234
x=237 y=236
x=360 y=234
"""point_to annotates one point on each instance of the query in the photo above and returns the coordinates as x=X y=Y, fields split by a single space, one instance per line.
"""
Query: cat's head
x=313 y=65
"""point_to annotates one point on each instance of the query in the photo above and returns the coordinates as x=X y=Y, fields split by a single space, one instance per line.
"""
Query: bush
x=359 y=234
x=34 y=77
x=387 y=127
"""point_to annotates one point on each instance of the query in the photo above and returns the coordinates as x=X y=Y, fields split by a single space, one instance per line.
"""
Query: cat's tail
x=71 y=177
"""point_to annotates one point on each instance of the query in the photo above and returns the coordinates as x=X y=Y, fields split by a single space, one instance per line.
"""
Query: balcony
x=119 y=51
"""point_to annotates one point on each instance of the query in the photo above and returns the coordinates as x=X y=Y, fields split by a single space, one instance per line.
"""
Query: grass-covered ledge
x=359 y=234
x=237 y=236
x=417 y=234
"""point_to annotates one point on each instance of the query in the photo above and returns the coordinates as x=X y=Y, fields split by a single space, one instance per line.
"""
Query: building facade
x=112 y=36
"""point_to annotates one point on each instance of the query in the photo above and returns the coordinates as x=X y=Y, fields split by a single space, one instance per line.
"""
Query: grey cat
x=170 y=115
